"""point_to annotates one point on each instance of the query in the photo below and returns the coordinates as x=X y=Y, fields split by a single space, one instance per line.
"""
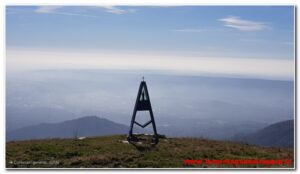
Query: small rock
x=125 y=142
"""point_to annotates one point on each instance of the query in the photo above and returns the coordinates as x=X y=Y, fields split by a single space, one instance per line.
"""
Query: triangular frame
x=143 y=104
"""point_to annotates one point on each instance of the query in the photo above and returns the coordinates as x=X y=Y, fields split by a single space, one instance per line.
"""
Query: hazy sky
x=252 y=41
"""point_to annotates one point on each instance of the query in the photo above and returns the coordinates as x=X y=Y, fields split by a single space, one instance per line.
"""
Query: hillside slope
x=110 y=151
x=280 y=134
x=84 y=126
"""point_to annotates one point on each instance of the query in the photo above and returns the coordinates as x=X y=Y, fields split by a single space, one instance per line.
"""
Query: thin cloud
x=58 y=10
x=116 y=10
x=243 y=25
x=47 y=9
x=261 y=41
x=54 y=10
x=75 y=14
x=26 y=59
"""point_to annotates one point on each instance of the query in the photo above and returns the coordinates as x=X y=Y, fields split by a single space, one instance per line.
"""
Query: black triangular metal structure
x=143 y=104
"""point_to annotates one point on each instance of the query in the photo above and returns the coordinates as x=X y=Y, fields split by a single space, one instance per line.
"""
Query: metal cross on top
x=143 y=104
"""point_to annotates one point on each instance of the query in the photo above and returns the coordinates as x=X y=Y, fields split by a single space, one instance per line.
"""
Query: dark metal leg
x=154 y=127
x=131 y=125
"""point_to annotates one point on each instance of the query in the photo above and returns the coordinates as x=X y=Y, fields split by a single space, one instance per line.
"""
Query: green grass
x=109 y=152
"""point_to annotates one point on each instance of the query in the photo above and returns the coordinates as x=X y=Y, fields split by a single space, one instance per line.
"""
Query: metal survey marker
x=142 y=104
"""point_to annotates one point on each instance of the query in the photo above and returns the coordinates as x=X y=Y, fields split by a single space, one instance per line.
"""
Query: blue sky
x=249 y=33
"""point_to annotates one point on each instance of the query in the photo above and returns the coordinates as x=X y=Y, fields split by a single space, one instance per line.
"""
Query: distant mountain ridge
x=85 y=126
x=17 y=118
x=279 y=134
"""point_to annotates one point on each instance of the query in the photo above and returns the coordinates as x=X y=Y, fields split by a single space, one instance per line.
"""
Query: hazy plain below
x=193 y=106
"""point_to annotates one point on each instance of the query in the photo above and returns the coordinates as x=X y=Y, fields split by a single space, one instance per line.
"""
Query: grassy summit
x=110 y=152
